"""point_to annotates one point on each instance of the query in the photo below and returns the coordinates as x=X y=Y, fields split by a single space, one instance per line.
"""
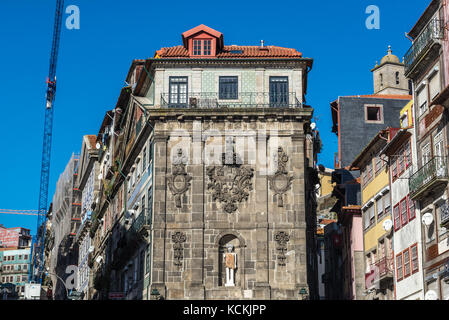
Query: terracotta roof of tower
x=232 y=52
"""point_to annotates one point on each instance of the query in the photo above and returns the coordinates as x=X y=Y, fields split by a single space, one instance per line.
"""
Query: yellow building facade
x=376 y=210
x=406 y=115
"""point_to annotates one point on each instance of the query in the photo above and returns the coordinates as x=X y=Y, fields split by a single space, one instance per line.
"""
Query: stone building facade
x=234 y=164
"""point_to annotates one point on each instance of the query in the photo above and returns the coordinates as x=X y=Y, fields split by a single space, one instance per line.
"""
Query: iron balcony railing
x=433 y=31
x=142 y=219
x=433 y=170
x=211 y=100
x=379 y=270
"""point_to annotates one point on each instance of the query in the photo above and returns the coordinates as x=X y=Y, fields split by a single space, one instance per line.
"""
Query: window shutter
x=422 y=99
x=434 y=85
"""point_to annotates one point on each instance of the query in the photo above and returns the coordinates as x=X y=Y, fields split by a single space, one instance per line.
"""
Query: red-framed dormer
x=202 y=42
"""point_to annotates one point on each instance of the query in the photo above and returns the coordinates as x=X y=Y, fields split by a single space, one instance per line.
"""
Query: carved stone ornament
x=282 y=238
x=179 y=180
x=281 y=181
x=178 y=239
x=230 y=183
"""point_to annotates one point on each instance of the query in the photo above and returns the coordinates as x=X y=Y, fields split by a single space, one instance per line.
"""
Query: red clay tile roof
x=247 y=52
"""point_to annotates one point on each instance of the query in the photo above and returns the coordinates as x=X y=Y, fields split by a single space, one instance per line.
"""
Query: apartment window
x=408 y=154
x=367 y=218
x=411 y=208
x=20 y=257
x=403 y=209
x=147 y=260
x=426 y=153
x=196 y=47
x=371 y=214
x=414 y=256
x=150 y=152
x=434 y=85
x=397 y=77
x=387 y=204
x=397 y=218
x=406 y=259
x=394 y=172
x=207 y=47
x=202 y=47
x=399 y=267
x=141 y=264
x=373 y=113
x=364 y=181
x=438 y=144
x=178 y=91
x=144 y=159
x=143 y=205
x=150 y=204
x=377 y=164
x=278 y=91
x=379 y=207
x=422 y=100
x=369 y=170
x=228 y=88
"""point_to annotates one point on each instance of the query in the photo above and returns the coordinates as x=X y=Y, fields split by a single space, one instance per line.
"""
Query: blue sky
x=93 y=62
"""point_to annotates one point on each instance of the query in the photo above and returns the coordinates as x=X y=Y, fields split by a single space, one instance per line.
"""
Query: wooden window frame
x=410 y=218
x=413 y=271
x=394 y=169
x=404 y=263
x=396 y=226
x=399 y=266
x=406 y=211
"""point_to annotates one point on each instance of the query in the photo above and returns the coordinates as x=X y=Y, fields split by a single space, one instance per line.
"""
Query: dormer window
x=202 y=47
x=202 y=41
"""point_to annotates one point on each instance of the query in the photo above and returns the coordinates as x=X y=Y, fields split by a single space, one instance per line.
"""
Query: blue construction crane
x=37 y=247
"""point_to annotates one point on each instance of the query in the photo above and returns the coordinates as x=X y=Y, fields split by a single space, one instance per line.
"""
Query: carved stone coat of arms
x=230 y=184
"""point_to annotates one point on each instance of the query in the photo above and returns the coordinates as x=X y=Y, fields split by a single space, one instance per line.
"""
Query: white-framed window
x=426 y=153
x=379 y=207
x=434 y=85
x=421 y=98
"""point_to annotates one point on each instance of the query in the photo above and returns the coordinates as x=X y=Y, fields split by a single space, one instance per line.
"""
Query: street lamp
x=156 y=295
x=303 y=293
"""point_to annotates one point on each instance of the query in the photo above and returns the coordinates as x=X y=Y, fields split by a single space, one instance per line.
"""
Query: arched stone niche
x=223 y=240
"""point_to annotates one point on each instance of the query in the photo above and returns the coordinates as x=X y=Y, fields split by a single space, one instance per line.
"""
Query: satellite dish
x=99 y=258
x=387 y=225
x=431 y=295
x=91 y=249
x=98 y=145
x=313 y=125
x=427 y=219
x=100 y=176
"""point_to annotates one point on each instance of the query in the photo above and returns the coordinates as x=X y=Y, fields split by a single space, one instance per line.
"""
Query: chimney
x=261 y=43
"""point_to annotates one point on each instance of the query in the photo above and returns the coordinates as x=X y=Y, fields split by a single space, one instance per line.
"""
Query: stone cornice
x=231 y=114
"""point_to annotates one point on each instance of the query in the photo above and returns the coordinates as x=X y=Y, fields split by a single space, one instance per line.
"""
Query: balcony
x=212 y=100
x=141 y=224
x=381 y=272
x=426 y=45
x=428 y=178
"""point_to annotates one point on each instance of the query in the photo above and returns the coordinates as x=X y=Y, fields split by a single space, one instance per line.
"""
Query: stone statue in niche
x=230 y=260
x=281 y=181
x=179 y=181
